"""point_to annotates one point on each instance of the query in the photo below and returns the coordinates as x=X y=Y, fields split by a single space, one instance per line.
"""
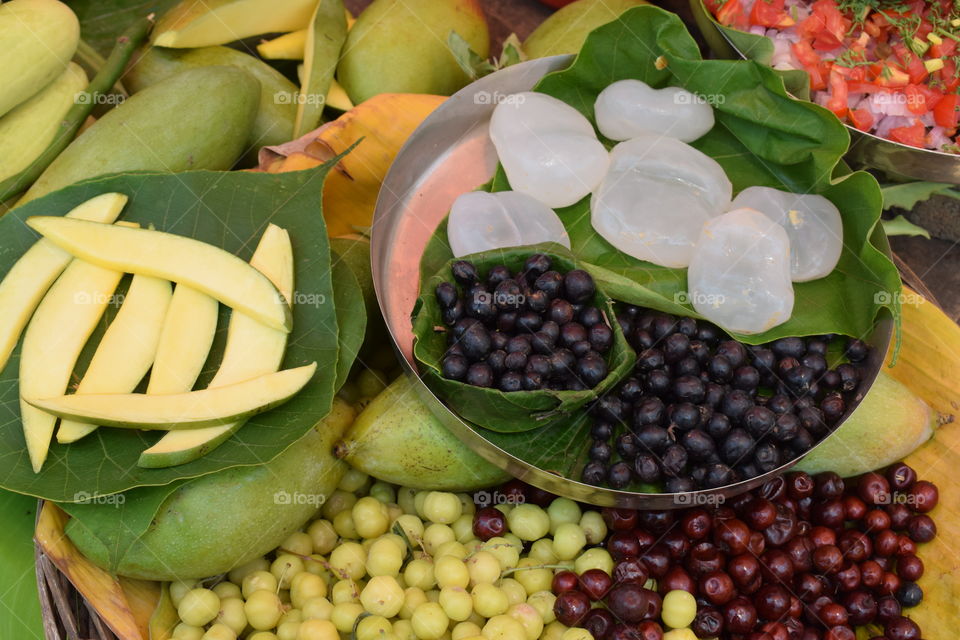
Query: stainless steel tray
x=449 y=154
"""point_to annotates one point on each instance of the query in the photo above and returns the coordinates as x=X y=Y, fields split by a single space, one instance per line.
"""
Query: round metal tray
x=449 y=154
x=898 y=161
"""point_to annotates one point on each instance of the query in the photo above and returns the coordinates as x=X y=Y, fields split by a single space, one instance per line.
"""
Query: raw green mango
x=566 y=30
x=198 y=119
x=29 y=128
x=274 y=123
x=37 y=40
x=225 y=519
x=396 y=439
x=889 y=425
x=400 y=46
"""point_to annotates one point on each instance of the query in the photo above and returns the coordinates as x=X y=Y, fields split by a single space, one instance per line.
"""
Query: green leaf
x=101 y=21
x=762 y=137
x=118 y=520
x=492 y=408
x=908 y=194
x=469 y=60
x=900 y=226
x=325 y=39
x=229 y=210
x=19 y=601
x=351 y=317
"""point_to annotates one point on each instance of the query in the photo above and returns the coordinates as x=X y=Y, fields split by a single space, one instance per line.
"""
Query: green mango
x=225 y=519
x=398 y=440
x=400 y=46
x=890 y=424
x=198 y=119
x=278 y=107
x=37 y=40
x=566 y=30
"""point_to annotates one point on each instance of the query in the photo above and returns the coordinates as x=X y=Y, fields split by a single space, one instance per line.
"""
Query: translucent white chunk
x=656 y=197
x=628 y=108
x=548 y=149
x=812 y=222
x=480 y=221
x=739 y=276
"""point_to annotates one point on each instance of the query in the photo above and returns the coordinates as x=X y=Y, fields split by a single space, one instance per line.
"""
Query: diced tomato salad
x=889 y=68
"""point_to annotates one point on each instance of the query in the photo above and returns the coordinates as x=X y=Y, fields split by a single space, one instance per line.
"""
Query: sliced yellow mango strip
x=29 y=279
x=127 y=348
x=199 y=265
x=185 y=341
x=191 y=410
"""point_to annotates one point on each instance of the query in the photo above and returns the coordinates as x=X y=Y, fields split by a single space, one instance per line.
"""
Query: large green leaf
x=229 y=210
x=101 y=21
x=492 y=408
x=19 y=600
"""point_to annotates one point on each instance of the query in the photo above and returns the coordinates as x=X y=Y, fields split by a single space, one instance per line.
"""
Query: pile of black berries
x=535 y=329
x=702 y=410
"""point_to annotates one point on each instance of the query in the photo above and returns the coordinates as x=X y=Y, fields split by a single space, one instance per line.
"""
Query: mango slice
x=31 y=276
x=199 y=265
x=190 y=410
x=252 y=349
x=185 y=341
x=53 y=341
x=201 y=23
x=127 y=348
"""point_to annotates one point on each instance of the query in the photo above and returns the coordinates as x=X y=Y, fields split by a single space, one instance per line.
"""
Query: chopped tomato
x=911 y=63
x=838 y=95
x=891 y=76
x=945 y=112
x=862 y=119
x=916 y=99
x=914 y=135
x=732 y=14
x=770 y=13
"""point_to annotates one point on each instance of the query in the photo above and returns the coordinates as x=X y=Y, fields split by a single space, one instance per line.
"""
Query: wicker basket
x=66 y=614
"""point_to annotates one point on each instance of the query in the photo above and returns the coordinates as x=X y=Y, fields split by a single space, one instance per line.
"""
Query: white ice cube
x=812 y=222
x=739 y=277
x=548 y=149
x=656 y=197
x=480 y=221
x=628 y=108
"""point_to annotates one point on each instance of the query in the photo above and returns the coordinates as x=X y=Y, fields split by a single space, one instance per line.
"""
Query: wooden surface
x=934 y=262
